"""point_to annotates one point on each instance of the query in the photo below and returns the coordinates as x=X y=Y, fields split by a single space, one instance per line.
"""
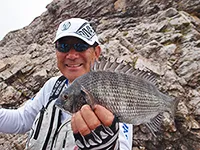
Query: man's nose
x=72 y=54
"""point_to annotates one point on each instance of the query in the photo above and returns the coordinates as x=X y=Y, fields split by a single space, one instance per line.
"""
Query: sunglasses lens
x=81 y=47
x=63 y=48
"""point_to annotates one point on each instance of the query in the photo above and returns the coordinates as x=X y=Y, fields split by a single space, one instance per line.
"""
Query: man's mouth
x=73 y=65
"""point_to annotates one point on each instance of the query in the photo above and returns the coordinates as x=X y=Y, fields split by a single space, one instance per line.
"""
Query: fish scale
x=131 y=94
x=123 y=94
x=105 y=87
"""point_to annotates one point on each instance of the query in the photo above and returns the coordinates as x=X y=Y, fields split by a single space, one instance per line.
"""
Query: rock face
x=159 y=35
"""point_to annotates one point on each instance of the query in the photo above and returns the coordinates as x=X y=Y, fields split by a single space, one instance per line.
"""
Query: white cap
x=79 y=28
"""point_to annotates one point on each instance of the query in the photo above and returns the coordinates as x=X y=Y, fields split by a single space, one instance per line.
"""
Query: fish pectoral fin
x=89 y=97
x=155 y=124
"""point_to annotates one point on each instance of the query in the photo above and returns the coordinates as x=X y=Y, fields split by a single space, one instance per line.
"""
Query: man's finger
x=104 y=115
x=73 y=125
x=79 y=124
x=90 y=117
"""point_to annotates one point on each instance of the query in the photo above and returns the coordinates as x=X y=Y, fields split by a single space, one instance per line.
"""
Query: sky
x=16 y=14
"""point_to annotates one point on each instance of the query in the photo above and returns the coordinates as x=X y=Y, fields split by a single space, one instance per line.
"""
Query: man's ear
x=97 y=51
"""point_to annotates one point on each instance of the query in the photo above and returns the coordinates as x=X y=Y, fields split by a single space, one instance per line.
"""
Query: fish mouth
x=59 y=103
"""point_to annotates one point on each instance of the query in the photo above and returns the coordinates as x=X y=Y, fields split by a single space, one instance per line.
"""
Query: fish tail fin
x=170 y=103
x=155 y=124
x=171 y=123
x=174 y=105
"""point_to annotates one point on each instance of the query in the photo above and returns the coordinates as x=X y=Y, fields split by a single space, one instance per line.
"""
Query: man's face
x=73 y=64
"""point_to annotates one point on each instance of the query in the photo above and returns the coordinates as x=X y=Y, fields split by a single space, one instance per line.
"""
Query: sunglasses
x=79 y=47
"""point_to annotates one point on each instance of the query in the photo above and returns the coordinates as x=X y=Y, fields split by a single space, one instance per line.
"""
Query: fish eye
x=65 y=96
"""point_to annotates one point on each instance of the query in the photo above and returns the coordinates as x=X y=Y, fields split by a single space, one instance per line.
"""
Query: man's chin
x=73 y=75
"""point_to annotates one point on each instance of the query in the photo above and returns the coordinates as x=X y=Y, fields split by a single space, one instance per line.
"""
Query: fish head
x=71 y=99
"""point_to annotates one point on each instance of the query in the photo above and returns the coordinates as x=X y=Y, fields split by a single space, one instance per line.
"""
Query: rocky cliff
x=159 y=35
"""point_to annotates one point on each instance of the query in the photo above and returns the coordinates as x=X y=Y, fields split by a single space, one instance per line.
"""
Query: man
x=77 y=48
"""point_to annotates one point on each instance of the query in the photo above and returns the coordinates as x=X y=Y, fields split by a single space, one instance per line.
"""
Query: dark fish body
x=130 y=94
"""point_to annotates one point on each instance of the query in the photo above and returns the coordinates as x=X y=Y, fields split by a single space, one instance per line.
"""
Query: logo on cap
x=66 y=26
x=86 y=31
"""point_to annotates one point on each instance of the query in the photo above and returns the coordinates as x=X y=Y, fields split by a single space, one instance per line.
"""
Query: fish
x=131 y=94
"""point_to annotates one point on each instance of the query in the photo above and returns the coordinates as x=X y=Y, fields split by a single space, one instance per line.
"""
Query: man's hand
x=86 y=119
x=96 y=128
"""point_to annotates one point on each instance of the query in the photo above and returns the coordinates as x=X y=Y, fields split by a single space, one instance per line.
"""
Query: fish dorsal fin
x=147 y=75
x=114 y=66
